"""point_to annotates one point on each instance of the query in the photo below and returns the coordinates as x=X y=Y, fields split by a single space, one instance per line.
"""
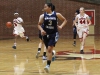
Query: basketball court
x=69 y=61
x=22 y=61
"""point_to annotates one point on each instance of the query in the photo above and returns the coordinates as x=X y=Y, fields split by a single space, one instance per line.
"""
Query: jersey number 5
x=50 y=22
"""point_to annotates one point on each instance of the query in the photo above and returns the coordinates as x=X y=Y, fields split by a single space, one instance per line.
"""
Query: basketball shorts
x=19 y=31
x=81 y=31
x=51 y=39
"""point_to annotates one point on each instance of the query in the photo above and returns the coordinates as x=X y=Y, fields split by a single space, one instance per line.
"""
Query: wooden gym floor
x=22 y=61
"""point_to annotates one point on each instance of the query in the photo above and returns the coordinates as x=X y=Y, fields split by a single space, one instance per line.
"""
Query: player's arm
x=40 y=23
x=62 y=18
x=20 y=21
x=75 y=21
x=14 y=23
x=88 y=19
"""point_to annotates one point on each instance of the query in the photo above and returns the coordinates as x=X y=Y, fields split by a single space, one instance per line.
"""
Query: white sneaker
x=44 y=58
x=74 y=44
x=37 y=55
x=47 y=68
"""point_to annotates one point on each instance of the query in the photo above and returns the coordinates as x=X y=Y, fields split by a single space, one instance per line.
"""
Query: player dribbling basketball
x=82 y=27
x=18 y=29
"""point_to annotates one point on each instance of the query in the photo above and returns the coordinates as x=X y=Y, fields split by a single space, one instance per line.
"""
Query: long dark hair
x=77 y=11
x=51 y=6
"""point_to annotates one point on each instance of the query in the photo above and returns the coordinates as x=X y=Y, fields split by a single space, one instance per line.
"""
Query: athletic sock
x=39 y=49
x=48 y=62
x=81 y=48
x=14 y=44
x=26 y=37
x=44 y=53
x=74 y=42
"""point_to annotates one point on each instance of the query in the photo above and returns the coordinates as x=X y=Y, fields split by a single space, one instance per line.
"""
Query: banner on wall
x=91 y=14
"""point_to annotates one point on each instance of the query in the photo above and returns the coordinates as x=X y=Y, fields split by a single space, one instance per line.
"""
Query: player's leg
x=54 y=52
x=49 y=58
x=15 y=44
x=23 y=36
x=44 y=53
x=27 y=38
x=74 y=35
x=39 y=48
x=80 y=34
x=74 y=38
x=21 y=33
x=46 y=41
x=83 y=42
x=15 y=33
x=40 y=45
x=49 y=45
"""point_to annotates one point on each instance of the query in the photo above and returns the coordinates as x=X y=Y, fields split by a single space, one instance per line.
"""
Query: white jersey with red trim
x=18 y=29
x=82 y=25
x=17 y=22
x=82 y=20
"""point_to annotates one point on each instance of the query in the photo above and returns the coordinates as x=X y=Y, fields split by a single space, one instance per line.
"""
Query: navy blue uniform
x=74 y=30
x=50 y=27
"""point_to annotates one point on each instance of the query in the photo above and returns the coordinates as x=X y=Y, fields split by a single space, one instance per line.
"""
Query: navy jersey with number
x=50 y=23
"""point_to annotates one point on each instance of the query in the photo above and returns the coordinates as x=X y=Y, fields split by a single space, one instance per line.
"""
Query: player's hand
x=59 y=27
x=43 y=33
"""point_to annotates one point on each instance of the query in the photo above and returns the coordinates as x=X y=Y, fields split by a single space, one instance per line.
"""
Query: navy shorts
x=51 y=39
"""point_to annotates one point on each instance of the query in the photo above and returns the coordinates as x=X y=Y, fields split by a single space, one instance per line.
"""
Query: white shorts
x=18 y=31
x=81 y=31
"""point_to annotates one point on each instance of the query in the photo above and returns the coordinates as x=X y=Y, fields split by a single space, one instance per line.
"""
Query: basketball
x=9 y=24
